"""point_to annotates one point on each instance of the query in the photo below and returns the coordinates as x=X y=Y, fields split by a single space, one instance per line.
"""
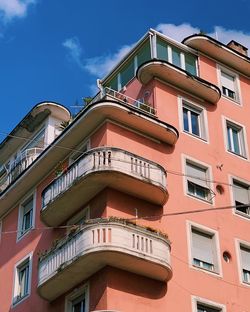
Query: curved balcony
x=94 y=246
x=179 y=78
x=96 y=169
x=137 y=116
x=219 y=52
x=23 y=161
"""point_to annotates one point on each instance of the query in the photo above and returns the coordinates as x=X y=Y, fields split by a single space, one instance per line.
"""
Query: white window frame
x=236 y=90
x=246 y=245
x=79 y=147
x=78 y=292
x=182 y=57
x=20 y=232
x=16 y=285
x=202 y=118
x=245 y=184
x=207 y=303
x=217 y=271
x=242 y=137
x=208 y=187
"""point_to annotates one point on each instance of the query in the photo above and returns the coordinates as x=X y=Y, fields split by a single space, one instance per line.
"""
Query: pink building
x=142 y=202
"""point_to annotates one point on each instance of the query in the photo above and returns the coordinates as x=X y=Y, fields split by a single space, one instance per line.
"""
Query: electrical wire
x=133 y=218
x=177 y=173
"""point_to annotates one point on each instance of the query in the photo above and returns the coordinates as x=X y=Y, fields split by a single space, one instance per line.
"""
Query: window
x=235 y=139
x=22 y=280
x=26 y=216
x=197 y=179
x=128 y=70
x=245 y=263
x=241 y=194
x=229 y=85
x=205 y=308
x=193 y=120
x=176 y=56
x=78 y=305
x=204 y=250
x=77 y=301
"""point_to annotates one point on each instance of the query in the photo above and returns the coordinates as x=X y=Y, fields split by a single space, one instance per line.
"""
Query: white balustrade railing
x=105 y=236
x=105 y=158
x=17 y=166
x=121 y=97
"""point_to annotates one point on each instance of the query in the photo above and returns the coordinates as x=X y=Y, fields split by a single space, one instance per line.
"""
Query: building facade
x=141 y=202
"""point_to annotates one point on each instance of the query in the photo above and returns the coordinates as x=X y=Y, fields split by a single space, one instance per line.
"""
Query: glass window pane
x=229 y=139
x=185 y=119
x=127 y=73
x=195 y=123
x=190 y=64
x=236 y=145
x=113 y=84
x=144 y=54
x=162 y=50
x=176 y=57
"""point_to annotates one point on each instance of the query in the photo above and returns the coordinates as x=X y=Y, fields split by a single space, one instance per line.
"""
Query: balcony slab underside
x=179 y=78
x=86 y=122
x=86 y=265
x=86 y=187
x=94 y=247
x=220 y=52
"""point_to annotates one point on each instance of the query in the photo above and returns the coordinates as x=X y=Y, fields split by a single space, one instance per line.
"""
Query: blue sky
x=56 y=49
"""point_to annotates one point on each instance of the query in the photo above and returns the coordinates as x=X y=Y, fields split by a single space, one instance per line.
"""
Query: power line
x=75 y=226
x=177 y=173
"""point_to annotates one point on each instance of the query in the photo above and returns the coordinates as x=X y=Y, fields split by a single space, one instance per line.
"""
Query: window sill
x=235 y=101
x=20 y=300
x=200 y=198
x=238 y=155
x=196 y=136
x=21 y=236
x=242 y=214
x=212 y=272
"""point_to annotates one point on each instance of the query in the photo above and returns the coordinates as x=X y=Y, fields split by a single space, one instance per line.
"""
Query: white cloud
x=226 y=35
x=14 y=8
x=75 y=51
x=99 y=66
x=179 y=32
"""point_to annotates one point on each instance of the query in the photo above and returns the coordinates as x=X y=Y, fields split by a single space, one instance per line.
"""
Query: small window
x=176 y=57
x=204 y=250
x=241 y=194
x=205 y=308
x=229 y=85
x=22 y=280
x=78 y=300
x=245 y=263
x=235 y=139
x=78 y=305
x=26 y=216
x=193 y=120
x=197 y=179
